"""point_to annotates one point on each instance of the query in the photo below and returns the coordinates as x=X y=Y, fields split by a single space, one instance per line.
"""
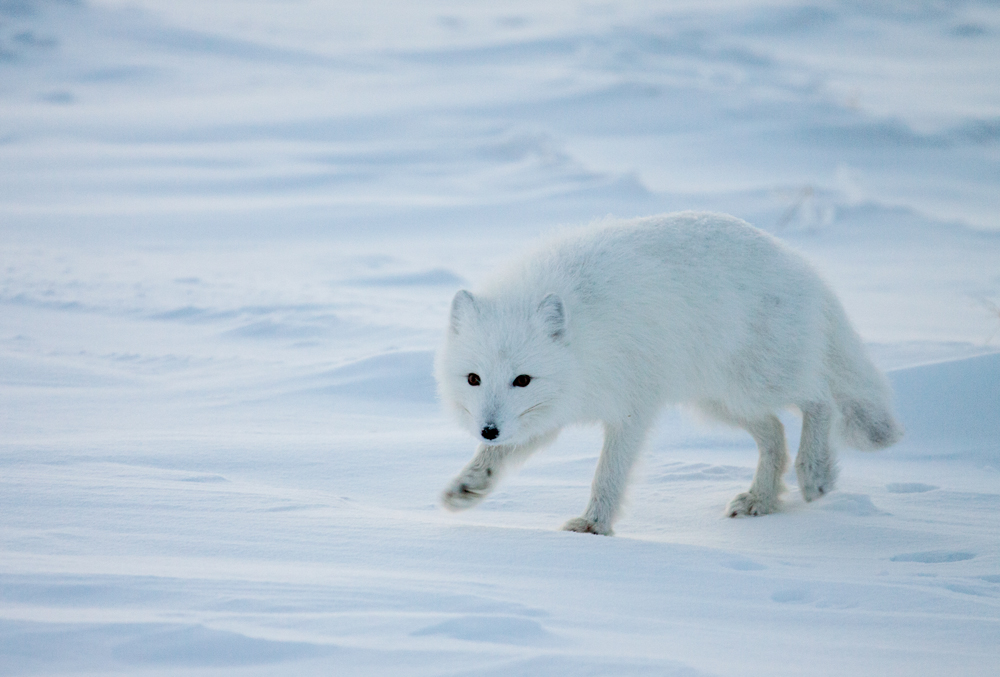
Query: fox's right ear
x=462 y=306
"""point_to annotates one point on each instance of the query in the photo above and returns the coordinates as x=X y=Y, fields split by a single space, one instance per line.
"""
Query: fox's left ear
x=553 y=314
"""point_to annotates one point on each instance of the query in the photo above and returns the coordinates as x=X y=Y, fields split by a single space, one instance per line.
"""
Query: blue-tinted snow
x=230 y=234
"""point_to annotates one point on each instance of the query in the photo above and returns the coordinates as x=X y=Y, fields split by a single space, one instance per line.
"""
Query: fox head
x=505 y=369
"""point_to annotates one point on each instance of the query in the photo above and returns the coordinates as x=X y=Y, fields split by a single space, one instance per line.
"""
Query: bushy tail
x=868 y=425
x=861 y=392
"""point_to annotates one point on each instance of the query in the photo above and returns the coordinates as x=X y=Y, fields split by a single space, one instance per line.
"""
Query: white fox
x=609 y=324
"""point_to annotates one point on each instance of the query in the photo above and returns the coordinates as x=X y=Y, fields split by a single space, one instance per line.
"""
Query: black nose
x=490 y=432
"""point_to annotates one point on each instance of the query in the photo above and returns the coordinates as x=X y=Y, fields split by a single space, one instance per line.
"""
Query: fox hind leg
x=765 y=490
x=815 y=463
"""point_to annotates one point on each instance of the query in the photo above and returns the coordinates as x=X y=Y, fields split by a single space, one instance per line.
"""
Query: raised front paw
x=583 y=525
x=469 y=488
x=752 y=504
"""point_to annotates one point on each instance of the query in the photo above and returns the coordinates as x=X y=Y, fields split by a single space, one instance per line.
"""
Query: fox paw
x=468 y=489
x=816 y=482
x=582 y=525
x=811 y=492
x=751 y=504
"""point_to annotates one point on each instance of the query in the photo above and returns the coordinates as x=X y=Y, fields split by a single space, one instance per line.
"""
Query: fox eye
x=522 y=380
x=474 y=379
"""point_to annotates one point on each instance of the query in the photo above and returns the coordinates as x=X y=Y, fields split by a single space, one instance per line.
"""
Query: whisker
x=532 y=408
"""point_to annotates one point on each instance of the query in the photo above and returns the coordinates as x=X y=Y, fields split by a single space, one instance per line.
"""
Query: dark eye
x=522 y=380
x=474 y=379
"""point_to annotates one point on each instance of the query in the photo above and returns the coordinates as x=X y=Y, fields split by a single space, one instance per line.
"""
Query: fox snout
x=490 y=432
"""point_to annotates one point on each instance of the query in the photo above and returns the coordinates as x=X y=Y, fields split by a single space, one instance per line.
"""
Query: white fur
x=613 y=322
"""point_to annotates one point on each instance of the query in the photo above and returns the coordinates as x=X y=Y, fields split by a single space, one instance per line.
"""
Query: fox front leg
x=622 y=443
x=480 y=476
x=477 y=479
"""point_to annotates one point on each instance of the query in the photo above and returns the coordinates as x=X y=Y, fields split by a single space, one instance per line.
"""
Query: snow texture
x=230 y=235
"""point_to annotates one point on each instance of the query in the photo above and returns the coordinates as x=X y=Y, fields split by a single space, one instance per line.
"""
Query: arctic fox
x=609 y=324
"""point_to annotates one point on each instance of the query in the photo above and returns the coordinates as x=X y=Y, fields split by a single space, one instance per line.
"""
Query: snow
x=231 y=232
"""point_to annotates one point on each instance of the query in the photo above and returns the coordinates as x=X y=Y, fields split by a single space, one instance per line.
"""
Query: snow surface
x=230 y=234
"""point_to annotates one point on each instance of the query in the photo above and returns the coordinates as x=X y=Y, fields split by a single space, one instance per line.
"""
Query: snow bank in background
x=192 y=118
x=231 y=233
x=389 y=377
x=950 y=408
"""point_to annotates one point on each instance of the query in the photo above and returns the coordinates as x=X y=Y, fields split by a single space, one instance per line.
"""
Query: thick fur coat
x=611 y=323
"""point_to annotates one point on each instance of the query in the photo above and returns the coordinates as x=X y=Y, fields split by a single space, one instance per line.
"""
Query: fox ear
x=462 y=305
x=553 y=314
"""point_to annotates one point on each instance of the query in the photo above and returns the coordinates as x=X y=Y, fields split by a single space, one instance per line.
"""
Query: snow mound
x=404 y=376
x=950 y=408
x=499 y=629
